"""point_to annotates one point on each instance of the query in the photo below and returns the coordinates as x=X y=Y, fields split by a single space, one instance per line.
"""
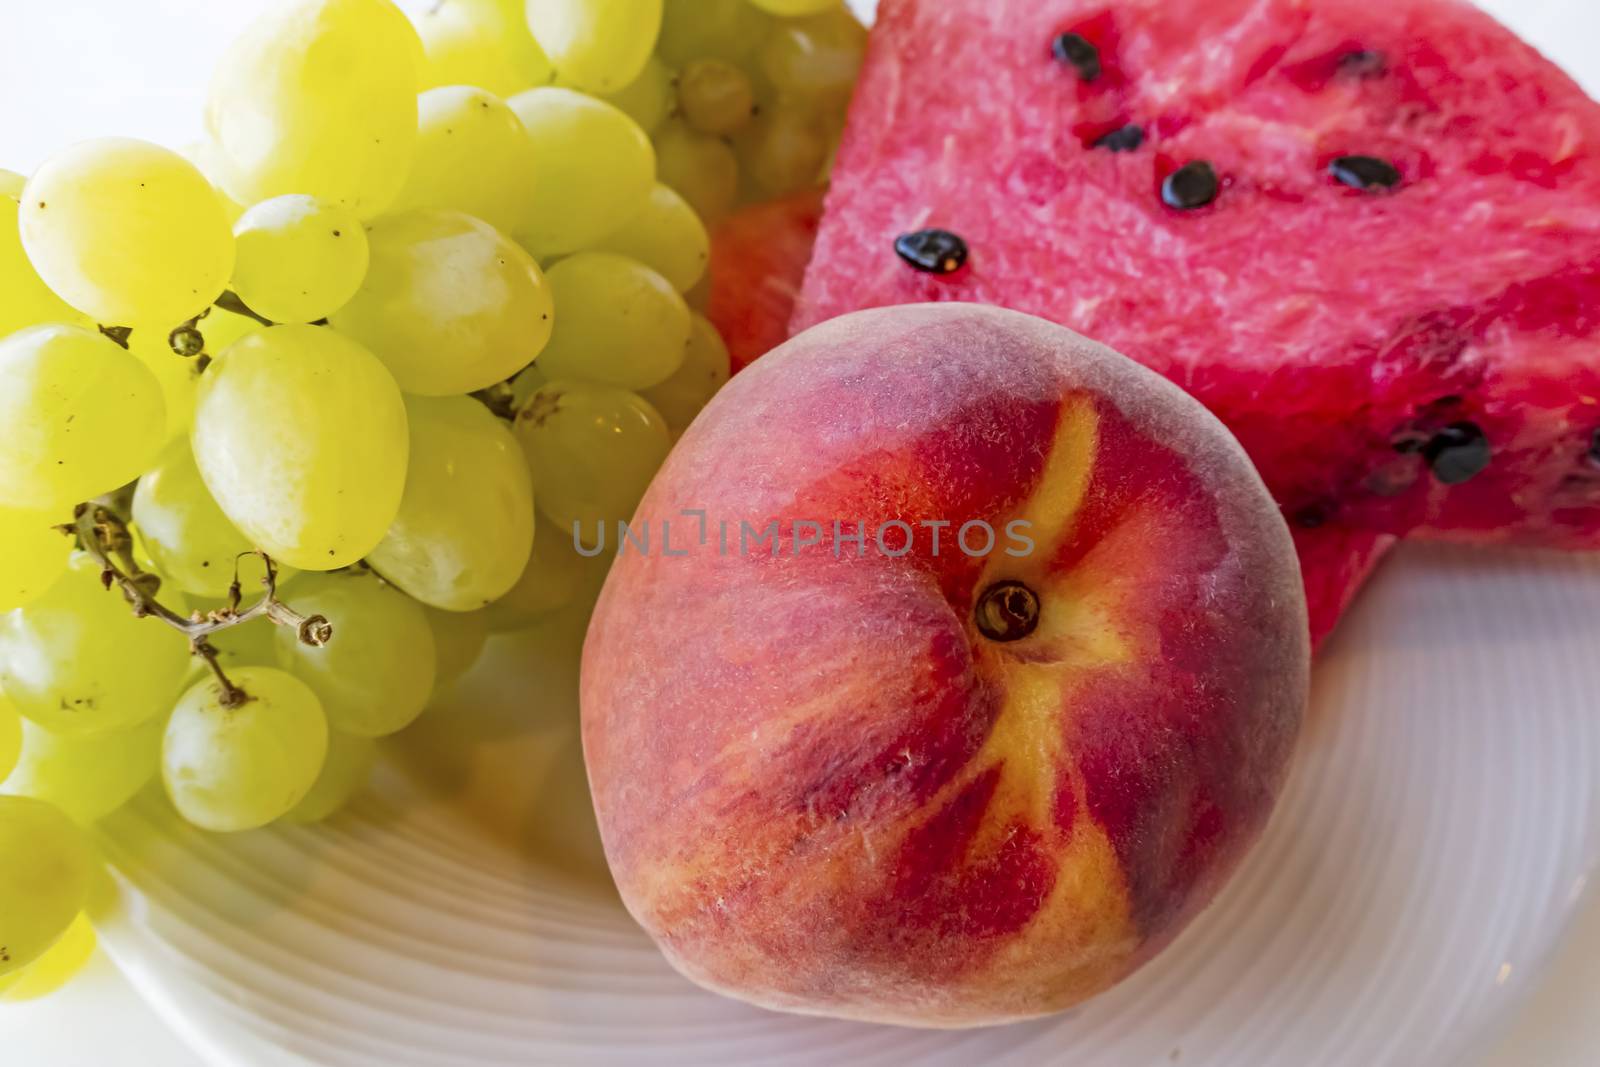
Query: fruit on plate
x=1366 y=236
x=993 y=684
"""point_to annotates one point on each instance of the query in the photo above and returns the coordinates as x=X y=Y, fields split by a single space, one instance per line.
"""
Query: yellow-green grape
x=648 y=98
x=300 y=434
x=78 y=417
x=597 y=45
x=238 y=768
x=60 y=963
x=44 y=880
x=593 y=450
x=378 y=672
x=552 y=580
x=793 y=8
x=466 y=522
x=784 y=150
x=33 y=554
x=344 y=774
x=318 y=97
x=705 y=370
x=817 y=57
x=450 y=305
x=177 y=376
x=126 y=232
x=10 y=737
x=667 y=236
x=190 y=540
x=458 y=640
x=480 y=42
x=86 y=777
x=711 y=29
x=617 y=322
x=25 y=300
x=473 y=155
x=11 y=183
x=703 y=169
x=77 y=660
x=595 y=167
x=206 y=156
x=715 y=97
x=300 y=260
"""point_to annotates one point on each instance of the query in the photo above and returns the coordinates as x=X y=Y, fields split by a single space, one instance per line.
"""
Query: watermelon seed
x=1073 y=50
x=1190 y=186
x=932 y=251
x=1364 y=172
x=1363 y=63
x=1457 y=453
x=1127 y=139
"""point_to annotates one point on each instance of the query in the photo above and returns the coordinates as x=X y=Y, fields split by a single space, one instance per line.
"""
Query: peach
x=943 y=784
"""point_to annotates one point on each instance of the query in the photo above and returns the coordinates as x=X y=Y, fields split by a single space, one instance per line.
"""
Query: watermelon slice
x=1367 y=235
x=758 y=260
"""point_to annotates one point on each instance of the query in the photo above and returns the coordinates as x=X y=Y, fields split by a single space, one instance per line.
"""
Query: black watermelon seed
x=1364 y=172
x=1457 y=453
x=1594 y=448
x=1127 y=139
x=1075 y=51
x=1190 y=186
x=1363 y=63
x=932 y=251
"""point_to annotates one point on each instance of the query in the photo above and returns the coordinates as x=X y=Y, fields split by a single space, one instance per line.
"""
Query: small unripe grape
x=715 y=97
x=703 y=169
x=300 y=260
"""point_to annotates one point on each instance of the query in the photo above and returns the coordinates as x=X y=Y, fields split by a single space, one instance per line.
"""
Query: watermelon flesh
x=758 y=261
x=1422 y=359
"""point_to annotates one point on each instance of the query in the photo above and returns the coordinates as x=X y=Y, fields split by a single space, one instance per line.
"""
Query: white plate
x=1437 y=833
x=1439 y=826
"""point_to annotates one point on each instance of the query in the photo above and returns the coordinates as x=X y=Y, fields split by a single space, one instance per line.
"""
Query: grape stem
x=229 y=301
x=104 y=535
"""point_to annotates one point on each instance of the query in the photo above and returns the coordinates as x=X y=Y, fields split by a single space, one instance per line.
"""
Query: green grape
x=60 y=964
x=552 y=580
x=703 y=169
x=705 y=370
x=617 y=322
x=126 y=232
x=44 y=880
x=87 y=777
x=480 y=42
x=458 y=640
x=711 y=29
x=25 y=300
x=378 y=672
x=793 y=8
x=238 y=768
x=190 y=540
x=205 y=155
x=81 y=417
x=77 y=660
x=300 y=434
x=473 y=155
x=33 y=554
x=177 y=376
x=466 y=521
x=11 y=183
x=715 y=96
x=817 y=57
x=344 y=774
x=318 y=97
x=597 y=45
x=450 y=305
x=10 y=737
x=665 y=235
x=595 y=168
x=784 y=150
x=647 y=99
x=300 y=260
x=593 y=450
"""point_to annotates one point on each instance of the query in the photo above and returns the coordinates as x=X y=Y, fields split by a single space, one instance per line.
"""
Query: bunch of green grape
x=296 y=418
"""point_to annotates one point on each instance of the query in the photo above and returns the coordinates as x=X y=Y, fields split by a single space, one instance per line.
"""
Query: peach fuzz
x=893 y=787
